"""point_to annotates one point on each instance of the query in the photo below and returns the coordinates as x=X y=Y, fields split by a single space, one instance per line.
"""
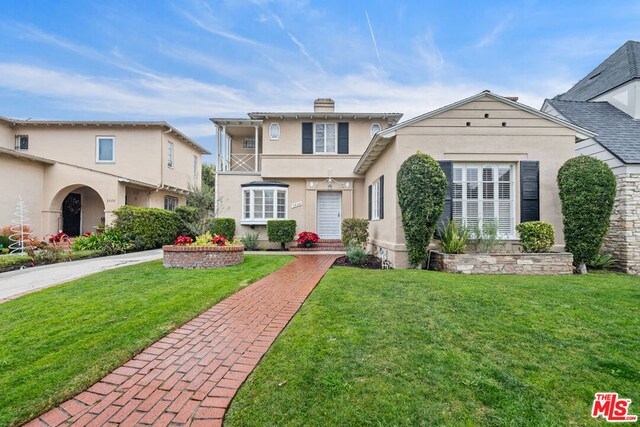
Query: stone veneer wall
x=503 y=263
x=202 y=256
x=623 y=239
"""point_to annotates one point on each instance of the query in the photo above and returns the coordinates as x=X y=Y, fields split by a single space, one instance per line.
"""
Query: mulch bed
x=371 y=262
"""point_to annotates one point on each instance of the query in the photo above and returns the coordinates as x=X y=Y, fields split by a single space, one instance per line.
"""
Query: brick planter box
x=503 y=263
x=202 y=256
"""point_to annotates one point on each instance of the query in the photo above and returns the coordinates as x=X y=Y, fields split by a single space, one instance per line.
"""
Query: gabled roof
x=99 y=123
x=622 y=66
x=617 y=131
x=382 y=138
x=392 y=118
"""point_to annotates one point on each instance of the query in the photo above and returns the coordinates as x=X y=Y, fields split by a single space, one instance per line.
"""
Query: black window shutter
x=529 y=191
x=343 y=138
x=381 y=203
x=307 y=138
x=370 y=191
x=447 y=213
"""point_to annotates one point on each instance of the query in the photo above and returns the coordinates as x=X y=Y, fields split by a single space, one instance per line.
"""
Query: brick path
x=190 y=376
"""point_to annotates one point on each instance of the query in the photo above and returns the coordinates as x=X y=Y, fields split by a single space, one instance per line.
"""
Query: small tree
x=202 y=198
x=422 y=187
x=587 y=191
x=281 y=231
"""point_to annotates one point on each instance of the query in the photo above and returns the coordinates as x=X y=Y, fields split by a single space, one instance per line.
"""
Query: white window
x=274 y=131
x=260 y=204
x=375 y=200
x=195 y=169
x=249 y=143
x=105 y=149
x=325 y=137
x=375 y=128
x=170 y=203
x=483 y=193
x=170 y=154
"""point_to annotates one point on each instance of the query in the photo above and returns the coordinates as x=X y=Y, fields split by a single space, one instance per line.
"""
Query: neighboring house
x=73 y=175
x=501 y=158
x=607 y=102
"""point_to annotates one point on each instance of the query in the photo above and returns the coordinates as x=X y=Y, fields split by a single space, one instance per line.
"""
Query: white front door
x=329 y=214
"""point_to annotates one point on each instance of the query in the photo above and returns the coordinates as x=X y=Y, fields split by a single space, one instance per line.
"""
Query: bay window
x=260 y=204
x=484 y=193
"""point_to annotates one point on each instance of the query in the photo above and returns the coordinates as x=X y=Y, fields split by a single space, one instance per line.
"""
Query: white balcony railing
x=238 y=163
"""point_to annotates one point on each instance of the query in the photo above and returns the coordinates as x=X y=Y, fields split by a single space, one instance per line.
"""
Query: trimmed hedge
x=188 y=216
x=225 y=227
x=281 y=231
x=355 y=230
x=587 y=191
x=536 y=236
x=422 y=187
x=148 y=228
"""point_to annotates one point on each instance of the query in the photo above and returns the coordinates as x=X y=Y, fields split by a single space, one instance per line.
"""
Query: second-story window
x=375 y=128
x=105 y=149
x=325 y=138
x=195 y=169
x=249 y=143
x=22 y=142
x=170 y=154
x=274 y=131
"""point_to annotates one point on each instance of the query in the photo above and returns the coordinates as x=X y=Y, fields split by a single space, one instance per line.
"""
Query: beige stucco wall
x=182 y=174
x=21 y=178
x=299 y=190
x=447 y=137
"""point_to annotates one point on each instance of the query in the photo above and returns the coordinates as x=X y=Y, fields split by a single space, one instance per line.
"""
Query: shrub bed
x=147 y=228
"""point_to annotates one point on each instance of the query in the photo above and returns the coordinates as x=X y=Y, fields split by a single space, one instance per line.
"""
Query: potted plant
x=307 y=239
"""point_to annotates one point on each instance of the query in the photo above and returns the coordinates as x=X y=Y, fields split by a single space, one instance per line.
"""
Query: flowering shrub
x=60 y=237
x=183 y=241
x=307 y=238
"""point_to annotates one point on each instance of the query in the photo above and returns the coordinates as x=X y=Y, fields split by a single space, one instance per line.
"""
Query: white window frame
x=195 y=169
x=480 y=200
x=274 y=128
x=375 y=124
x=252 y=220
x=113 y=142
x=315 y=125
x=166 y=198
x=170 y=154
x=249 y=143
x=375 y=200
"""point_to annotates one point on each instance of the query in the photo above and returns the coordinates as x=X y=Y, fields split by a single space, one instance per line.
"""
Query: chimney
x=512 y=98
x=324 y=105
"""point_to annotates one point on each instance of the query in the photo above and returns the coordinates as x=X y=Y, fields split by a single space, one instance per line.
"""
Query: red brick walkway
x=190 y=376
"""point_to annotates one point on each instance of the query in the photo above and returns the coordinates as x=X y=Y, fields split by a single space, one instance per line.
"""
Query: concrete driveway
x=18 y=282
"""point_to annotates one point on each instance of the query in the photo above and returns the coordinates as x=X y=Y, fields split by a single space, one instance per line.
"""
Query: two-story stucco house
x=607 y=101
x=501 y=159
x=73 y=175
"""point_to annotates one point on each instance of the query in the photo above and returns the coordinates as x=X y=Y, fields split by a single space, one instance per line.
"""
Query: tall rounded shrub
x=587 y=191
x=281 y=231
x=421 y=188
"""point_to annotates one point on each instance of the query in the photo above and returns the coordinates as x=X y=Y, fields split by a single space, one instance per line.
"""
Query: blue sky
x=186 y=61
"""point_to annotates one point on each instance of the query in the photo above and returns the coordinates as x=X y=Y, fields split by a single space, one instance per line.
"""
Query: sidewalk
x=190 y=376
x=16 y=283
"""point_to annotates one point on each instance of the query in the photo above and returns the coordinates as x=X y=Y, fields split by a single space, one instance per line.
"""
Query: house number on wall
x=296 y=205
x=111 y=200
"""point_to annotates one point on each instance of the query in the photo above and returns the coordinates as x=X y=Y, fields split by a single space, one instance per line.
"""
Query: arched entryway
x=81 y=210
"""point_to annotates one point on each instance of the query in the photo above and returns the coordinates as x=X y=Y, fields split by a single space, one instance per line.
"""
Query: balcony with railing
x=238 y=145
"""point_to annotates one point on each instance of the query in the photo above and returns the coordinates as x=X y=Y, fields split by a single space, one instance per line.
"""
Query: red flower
x=183 y=240
x=308 y=237
x=219 y=240
x=60 y=237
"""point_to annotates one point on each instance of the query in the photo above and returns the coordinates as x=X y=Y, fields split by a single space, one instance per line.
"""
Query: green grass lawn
x=57 y=342
x=427 y=348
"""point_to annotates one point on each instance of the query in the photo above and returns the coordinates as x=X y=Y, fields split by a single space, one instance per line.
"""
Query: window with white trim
x=375 y=200
x=105 y=149
x=274 y=131
x=249 y=143
x=260 y=204
x=325 y=138
x=170 y=203
x=195 y=169
x=375 y=128
x=482 y=193
x=170 y=154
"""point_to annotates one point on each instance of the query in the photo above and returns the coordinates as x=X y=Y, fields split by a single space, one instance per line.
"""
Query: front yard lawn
x=57 y=342
x=427 y=348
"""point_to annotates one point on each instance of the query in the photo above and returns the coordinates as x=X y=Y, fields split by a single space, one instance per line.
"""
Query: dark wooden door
x=71 y=214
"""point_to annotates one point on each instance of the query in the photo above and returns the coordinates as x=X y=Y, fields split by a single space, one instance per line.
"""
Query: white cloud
x=495 y=32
